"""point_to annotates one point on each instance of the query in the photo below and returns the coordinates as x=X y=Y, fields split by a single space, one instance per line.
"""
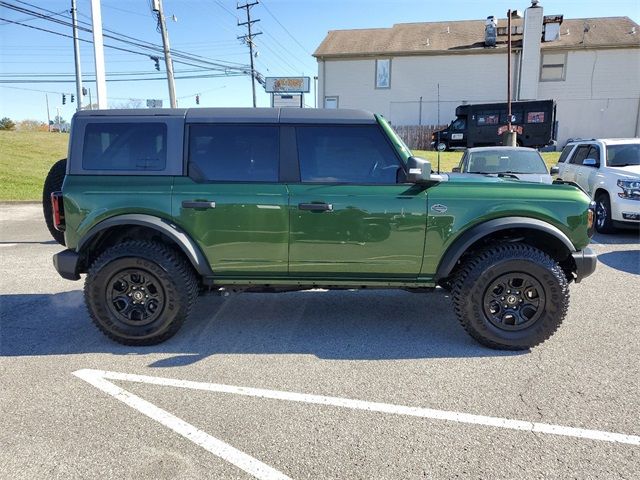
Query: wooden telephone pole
x=248 y=38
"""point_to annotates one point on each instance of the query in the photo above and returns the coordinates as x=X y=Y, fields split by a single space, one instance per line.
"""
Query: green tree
x=7 y=124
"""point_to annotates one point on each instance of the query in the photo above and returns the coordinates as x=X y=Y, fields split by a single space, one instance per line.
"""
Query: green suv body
x=158 y=206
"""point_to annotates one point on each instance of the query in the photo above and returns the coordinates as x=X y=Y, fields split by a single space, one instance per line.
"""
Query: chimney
x=490 y=31
x=530 y=61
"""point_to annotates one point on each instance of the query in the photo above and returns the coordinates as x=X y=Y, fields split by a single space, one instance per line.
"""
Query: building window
x=383 y=73
x=553 y=67
x=331 y=102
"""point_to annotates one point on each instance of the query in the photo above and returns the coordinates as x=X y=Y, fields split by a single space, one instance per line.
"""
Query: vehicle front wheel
x=140 y=292
x=604 y=223
x=511 y=296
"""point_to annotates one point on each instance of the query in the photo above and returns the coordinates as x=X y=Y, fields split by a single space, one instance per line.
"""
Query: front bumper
x=66 y=264
x=586 y=261
x=622 y=206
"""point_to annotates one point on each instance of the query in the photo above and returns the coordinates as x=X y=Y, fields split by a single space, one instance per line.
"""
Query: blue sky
x=292 y=29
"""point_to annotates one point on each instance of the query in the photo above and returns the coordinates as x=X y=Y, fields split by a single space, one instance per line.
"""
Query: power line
x=285 y=28
x=121 y=38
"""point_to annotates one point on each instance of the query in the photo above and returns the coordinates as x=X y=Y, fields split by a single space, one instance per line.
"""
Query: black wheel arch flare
x=476 y=233
x=186 y=244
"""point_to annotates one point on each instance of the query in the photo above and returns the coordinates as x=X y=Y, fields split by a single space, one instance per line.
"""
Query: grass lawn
x=448 y=160
x=25 y=159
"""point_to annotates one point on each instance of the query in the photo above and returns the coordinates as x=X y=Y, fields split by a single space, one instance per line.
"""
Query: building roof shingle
x=467 y=36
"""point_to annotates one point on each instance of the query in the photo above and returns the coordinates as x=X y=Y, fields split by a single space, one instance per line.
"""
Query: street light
x=510 y=138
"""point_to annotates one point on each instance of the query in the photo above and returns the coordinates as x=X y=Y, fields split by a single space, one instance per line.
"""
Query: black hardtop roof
x=243 y=115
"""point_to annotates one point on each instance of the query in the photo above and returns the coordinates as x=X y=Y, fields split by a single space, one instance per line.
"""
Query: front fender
x=477 y=232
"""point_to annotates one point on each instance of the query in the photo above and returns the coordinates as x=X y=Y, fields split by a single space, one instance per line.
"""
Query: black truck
x=482 y=125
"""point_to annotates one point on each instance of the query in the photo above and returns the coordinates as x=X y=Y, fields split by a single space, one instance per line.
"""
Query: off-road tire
x=174 y=278
x=604 y=223
x=53 y=183
x=480 y=272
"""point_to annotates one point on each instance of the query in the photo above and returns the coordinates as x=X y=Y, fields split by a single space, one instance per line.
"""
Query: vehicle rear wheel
x=140 y=292
x=604 y=223
x=511 y=296
x=53 y=183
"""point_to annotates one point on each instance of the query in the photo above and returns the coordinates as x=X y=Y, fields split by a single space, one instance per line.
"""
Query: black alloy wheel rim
x=601 y=214
x=135 y=297
x=514 y=301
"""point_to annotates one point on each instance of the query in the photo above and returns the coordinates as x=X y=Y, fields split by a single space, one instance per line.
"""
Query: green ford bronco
x=159 y=206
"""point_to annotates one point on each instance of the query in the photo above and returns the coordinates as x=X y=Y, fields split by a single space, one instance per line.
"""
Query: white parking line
x=219 y=448
x=99 y=379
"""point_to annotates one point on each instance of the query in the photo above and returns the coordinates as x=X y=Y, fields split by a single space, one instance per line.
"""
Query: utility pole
x=46 y=97
x=98 y=53
x=76 y=54
x=510 y=136
x=249 y=41
x=58 y=120
x=162 y=25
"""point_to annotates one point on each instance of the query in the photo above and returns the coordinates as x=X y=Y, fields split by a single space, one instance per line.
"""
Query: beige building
x=590 y=66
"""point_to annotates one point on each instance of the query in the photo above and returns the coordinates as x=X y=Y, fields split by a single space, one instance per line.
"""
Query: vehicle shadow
x=341 y=325
x=626 y=261
x=619 y=238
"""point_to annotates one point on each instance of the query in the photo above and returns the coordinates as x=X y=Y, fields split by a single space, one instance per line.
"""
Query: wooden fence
x=417 y=137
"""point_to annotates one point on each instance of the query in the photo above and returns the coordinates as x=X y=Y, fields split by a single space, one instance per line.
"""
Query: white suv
x=609 y=171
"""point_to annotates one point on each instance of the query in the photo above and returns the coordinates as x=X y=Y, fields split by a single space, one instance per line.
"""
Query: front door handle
x=198 y=204
x=316 y=207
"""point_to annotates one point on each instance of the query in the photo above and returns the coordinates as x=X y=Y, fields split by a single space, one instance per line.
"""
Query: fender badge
x=438 y=207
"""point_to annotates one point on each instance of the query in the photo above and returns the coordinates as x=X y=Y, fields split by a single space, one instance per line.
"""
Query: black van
x=479 y=125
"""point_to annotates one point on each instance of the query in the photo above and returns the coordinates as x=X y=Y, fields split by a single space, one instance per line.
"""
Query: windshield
x=505 y=161
x=623 y=155
x=402 y=148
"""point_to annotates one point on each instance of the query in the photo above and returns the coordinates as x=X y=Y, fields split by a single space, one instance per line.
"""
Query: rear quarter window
x=565 y=153
x=136 y=147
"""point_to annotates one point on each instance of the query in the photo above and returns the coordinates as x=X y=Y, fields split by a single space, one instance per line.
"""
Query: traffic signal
x=156 y=60
x=84 y=90
x=197 y=99
x=72 y=98
x=64 y=99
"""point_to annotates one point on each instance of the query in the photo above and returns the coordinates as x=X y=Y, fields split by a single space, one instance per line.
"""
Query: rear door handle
x=198 y=204
x=316 y=207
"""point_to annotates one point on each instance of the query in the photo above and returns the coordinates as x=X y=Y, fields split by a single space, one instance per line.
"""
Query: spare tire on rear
x=53 y=183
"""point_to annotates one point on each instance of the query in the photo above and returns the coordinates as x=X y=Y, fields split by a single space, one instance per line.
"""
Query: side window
x=580 y=155
x=487 y=119
x=517 y=117
x=594 y=152
x=565 y=153
x=345 y=154
x=125 y=146
x=234 y=153
x=535 y=117
x=459 y=124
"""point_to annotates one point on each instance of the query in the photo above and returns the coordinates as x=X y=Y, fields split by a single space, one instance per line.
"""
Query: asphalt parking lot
x=365 y=384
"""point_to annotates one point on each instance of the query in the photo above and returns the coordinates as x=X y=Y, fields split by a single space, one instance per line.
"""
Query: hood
x=481 y=177
x=630 y=170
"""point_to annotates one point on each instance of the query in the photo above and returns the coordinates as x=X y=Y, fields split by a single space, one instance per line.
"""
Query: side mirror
x=456 y=169
x=590 y=162
x=419 y=170
x=555 y=170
